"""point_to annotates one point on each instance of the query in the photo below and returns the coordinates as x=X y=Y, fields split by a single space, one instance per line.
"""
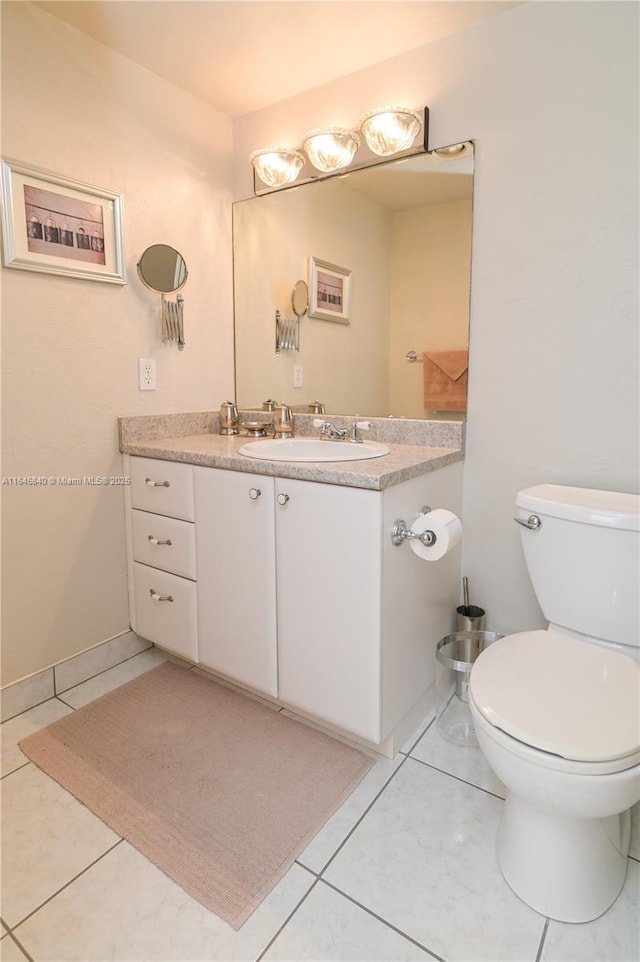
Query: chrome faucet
x=329 y=430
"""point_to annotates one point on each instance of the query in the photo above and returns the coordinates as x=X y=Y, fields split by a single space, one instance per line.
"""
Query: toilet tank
x=584 y=559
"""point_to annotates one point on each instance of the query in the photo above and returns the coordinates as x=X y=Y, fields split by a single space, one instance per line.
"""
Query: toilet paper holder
x=401 y=533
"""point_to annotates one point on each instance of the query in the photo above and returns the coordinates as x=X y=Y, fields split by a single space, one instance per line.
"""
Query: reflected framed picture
x=56 y=225
x=329 y=291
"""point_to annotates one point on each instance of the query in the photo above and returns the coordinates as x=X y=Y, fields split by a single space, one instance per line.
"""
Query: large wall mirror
x=399 y=238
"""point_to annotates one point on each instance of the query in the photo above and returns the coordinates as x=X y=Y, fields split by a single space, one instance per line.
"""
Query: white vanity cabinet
x=236 y=576
x=162 y=558
x=300 y=592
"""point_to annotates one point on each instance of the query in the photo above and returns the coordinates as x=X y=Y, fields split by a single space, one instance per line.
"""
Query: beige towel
x=445 y=380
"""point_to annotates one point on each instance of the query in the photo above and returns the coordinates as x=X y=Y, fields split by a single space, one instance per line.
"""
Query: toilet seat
x=561 y=696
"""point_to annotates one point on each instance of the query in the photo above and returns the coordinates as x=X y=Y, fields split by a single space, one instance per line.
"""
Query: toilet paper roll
x=447 y=528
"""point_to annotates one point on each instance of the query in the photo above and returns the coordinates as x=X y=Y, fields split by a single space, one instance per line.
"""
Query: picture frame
x=329 y=291
x=55 y=225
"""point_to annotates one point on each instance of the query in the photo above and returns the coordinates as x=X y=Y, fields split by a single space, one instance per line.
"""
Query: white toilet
x=557 y=711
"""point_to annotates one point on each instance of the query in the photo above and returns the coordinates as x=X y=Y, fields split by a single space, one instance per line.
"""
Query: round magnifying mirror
x=300 y=298
x=162 y=269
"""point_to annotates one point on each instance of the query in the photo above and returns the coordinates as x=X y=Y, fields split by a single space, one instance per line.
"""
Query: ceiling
x=242 y=55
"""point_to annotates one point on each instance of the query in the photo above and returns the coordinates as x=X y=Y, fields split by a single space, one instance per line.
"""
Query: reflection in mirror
x=403 y=230
x=162 y=269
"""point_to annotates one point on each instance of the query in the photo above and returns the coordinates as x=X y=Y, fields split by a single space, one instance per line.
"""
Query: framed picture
x=329 y=291
x=56 y=225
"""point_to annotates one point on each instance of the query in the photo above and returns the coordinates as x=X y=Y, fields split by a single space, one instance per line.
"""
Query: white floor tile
x=113 y=678
x=47 y=838
x=466 y=762
x=75 y=670
x=124 y=908
x=333 y=833
x=329 y=928
x=423 y=858
x=27 y=693
x=26 y=724
x=10 y=952
x=614 y=937
x=420 y=730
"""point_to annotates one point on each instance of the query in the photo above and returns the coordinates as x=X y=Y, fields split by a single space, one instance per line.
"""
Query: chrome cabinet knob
x=254 y=493
x=282 y=498
x=157 y=484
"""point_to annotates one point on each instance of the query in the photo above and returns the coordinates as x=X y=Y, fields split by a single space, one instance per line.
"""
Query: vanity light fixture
x=386 y=130
x=277 y=166
x=330 y=149
x=390 y=129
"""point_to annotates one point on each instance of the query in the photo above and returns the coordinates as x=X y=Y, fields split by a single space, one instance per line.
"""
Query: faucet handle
x=362 y=425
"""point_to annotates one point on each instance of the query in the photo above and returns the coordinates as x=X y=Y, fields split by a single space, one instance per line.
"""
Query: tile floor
x=405 y=870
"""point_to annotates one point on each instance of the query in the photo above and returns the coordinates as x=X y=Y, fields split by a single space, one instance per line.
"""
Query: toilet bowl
x=567 y=748
x=557 y=711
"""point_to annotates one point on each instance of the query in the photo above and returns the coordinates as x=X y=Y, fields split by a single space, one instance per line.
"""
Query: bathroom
x=553 y=389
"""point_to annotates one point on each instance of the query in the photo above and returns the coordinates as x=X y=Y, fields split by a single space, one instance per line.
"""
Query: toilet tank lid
x=611 y=509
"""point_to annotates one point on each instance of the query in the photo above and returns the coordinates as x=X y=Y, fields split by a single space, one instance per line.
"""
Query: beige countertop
x=405 y=461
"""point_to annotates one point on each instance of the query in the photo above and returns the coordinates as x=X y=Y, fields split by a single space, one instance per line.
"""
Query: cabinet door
x=235 y=557
x=328 y=586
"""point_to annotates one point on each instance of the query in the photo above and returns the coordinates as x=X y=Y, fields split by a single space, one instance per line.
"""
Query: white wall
x=549 y=94
x=70 y=347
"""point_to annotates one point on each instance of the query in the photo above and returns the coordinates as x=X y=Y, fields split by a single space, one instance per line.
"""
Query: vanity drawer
x=168 y=623
x=165 y=543
x=163 y=487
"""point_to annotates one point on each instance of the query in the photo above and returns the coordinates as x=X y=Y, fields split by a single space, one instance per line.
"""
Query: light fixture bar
x=336 y=150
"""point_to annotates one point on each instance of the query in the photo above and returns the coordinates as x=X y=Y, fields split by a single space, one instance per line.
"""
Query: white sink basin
x=312 y=449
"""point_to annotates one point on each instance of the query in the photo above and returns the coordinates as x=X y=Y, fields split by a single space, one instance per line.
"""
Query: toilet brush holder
x=470 y=618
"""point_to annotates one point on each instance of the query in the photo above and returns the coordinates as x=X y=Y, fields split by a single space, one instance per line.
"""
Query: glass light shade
x=276 y=166
x=330 y=149
x=390 y=129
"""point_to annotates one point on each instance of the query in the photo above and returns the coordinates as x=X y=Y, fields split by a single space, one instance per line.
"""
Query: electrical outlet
x=146 y=374
x=297 y=375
